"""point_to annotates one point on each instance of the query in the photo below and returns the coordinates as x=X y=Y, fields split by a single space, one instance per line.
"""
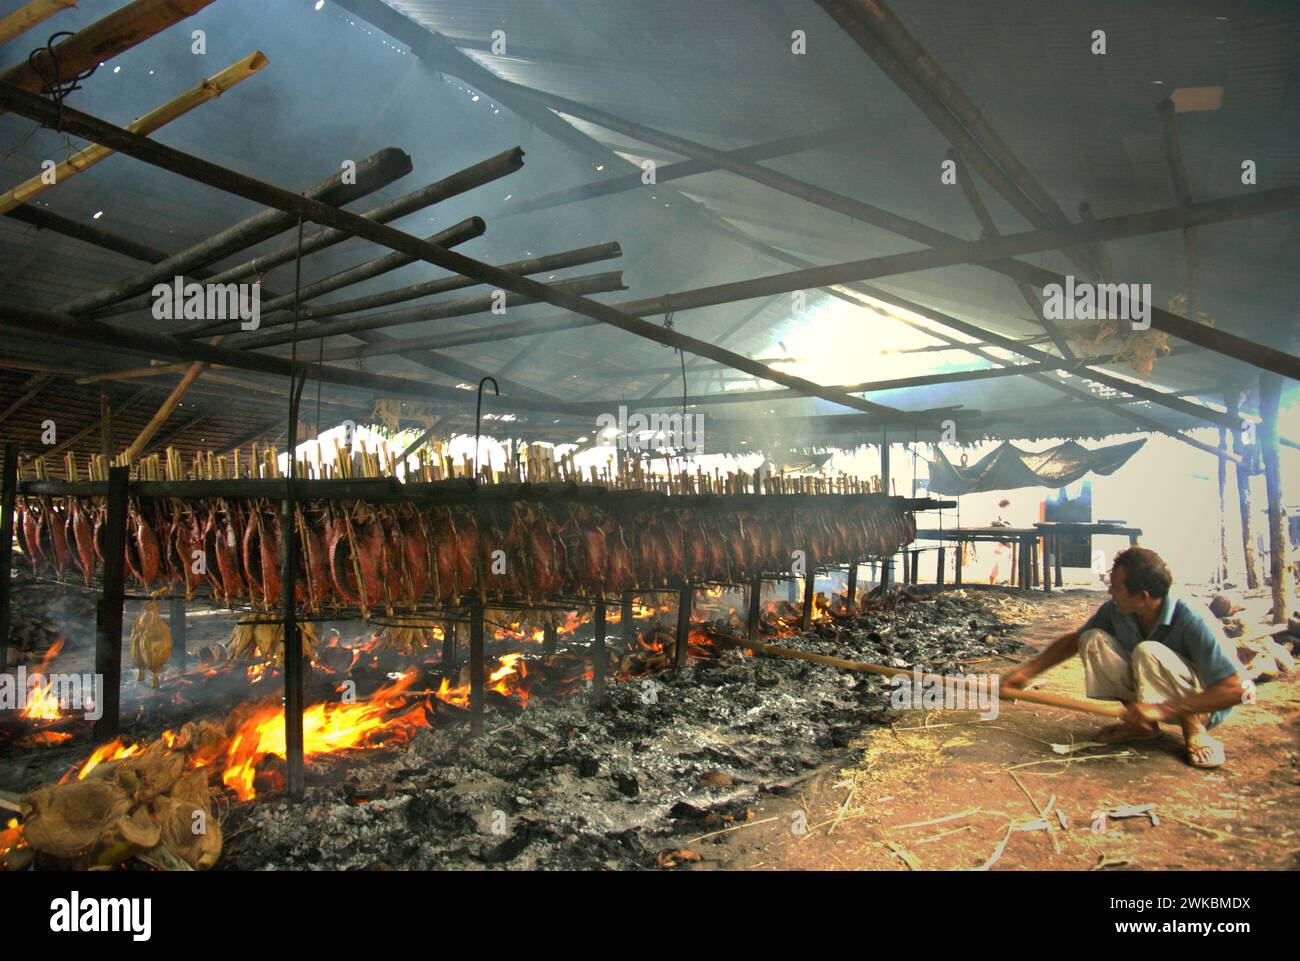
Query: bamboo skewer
x=178 y=106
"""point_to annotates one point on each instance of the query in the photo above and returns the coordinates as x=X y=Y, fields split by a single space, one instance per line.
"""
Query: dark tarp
x=1007 y=467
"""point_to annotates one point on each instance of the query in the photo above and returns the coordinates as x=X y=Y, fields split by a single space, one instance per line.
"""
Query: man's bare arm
x=1061 y=649
x=1227 y=693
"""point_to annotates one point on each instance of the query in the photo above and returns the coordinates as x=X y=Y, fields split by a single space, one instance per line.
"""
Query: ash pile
x=666 y=757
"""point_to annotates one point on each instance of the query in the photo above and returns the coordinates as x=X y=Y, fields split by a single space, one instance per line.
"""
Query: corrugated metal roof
x=721 y=73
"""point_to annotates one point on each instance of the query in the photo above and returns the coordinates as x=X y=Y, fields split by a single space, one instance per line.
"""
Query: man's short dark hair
x=1144 y=570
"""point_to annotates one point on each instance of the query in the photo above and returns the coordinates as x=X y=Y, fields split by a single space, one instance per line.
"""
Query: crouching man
x=1154 y=654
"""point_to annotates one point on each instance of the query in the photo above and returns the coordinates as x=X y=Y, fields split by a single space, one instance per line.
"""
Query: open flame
x=325 y=728
x=507 y=679
x=42 y=704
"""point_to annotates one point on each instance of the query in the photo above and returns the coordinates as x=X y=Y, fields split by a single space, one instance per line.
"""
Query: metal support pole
x=294 y=663
x=448 y=648
x=176 y=623
x=8 y=503
x=625 y=617
x=851 y=589
x=476 y=672
x=684 y=599
x=108 y=619
x=599 y=667
x=755 y=608
x=809 y=589
x=939 y=571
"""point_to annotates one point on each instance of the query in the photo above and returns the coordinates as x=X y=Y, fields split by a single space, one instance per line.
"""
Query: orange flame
x=506 y=680
x=325 y=728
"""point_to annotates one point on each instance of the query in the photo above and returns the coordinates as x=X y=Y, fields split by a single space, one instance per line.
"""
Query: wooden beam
x=103 y=425
x=31 y=390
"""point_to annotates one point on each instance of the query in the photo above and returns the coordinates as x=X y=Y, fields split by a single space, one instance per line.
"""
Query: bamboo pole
x=34 y=14
x=104 y=39
x=1034 y=697
x=178 y=106
x=372 y=173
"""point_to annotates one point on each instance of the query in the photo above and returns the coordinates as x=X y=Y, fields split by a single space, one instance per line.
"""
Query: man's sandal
x=1205 y=752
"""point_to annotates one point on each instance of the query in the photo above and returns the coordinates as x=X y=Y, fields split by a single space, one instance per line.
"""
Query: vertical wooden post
x=108 y=620
x=550 y=637
x=599 y=668
x=1047 y=562
x=294 y=662
x=1242 y=473
x=961 y=556
x=851 y=588
x=8 y=506
x=1270 y=395
x=1056 y=558
x=939 y=571
x=755 y=608
x=916 y=567
x=1223 y=507
x=626 y=619
x=176 y=623
x=809 y=590
x=476 y=672
x=1033 y=561
x=684 y=599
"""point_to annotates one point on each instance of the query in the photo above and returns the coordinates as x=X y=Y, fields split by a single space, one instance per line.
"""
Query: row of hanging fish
x=403 y=555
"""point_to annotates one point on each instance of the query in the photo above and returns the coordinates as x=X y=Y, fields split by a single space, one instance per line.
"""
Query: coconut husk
x=146 y=775
x=197 y=840
x=72 y=820
x=151 y=642
x=258 y=635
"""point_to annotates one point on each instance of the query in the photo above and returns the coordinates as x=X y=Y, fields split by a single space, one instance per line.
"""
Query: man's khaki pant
x=1151 y=674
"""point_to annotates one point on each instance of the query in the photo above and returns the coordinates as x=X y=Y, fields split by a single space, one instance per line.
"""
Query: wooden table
x=1025 y=550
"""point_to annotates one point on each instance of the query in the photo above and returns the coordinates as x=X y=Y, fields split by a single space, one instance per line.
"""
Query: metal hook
x=478 y=417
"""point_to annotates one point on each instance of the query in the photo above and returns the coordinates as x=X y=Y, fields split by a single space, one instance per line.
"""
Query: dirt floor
x=941 y=790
